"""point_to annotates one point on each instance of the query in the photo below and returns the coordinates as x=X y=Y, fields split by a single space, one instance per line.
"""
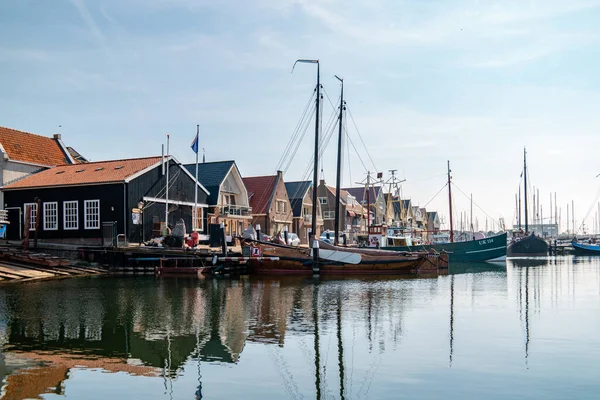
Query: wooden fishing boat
x=337 y=259
x=341 y=260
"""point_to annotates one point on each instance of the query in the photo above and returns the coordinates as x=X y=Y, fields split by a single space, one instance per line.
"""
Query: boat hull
x=529 y=246
x=295 y=260
x=470 y=251
x=586 y=249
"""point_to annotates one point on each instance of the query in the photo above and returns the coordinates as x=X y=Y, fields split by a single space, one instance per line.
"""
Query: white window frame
x=50 y=224
x=322 y=200
x=328 y=214
x=33 y=216
x=87 y=223
x=71 y=202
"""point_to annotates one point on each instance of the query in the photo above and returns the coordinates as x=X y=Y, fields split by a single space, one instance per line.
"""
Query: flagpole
x=167 y=187
x=195 y=213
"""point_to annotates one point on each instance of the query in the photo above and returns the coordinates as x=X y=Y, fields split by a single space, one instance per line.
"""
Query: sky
x=472 y=82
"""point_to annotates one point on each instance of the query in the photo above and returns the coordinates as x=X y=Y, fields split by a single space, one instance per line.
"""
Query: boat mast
x=450 y=202
x=519 y=206
x=525 y=187
x=339 y=168
x=316 y=161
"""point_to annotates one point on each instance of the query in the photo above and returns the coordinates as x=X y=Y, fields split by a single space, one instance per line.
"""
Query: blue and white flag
x=195 y=144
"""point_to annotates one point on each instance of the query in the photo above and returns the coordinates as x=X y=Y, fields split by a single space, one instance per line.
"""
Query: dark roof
x=211 y=175
x=296 y=192
x=260 y=191
x=431 y=215
x=359 y=194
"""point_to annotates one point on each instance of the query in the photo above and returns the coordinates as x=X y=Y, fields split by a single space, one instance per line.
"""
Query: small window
x=99 y=169
x=199 y=218
x=91 y=210
x=322 y=200
x=51 y=216
x=71 y=215
x=118 y=167
x=328 y=214
x=80 y=170
x=32 y=214
x=60 y=172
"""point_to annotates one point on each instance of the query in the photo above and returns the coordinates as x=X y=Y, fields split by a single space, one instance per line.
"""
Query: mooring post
x=285 y=234
x=258 y=232
x=315 y=246
x=223 y=240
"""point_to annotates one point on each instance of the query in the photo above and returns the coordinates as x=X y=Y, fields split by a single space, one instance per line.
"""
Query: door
x=13 y=230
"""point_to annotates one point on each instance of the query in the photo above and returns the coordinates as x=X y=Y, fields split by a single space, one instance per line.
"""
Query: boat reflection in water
x=297 y=336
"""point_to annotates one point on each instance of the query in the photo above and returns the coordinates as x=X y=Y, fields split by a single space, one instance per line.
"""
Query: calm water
x=527 y=330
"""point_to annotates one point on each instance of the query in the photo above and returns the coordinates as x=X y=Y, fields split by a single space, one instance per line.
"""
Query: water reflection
x=289 y=337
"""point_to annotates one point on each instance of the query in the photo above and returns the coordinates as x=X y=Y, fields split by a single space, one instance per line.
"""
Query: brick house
x=300 y=195
x=271 y=207
x=376 y=199
x=353 y=215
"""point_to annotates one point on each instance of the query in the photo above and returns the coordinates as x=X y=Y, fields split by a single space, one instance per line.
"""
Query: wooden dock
x=23 y=266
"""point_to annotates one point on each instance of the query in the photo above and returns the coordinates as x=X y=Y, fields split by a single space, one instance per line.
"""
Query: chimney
x=279 y=174
x=57 y=136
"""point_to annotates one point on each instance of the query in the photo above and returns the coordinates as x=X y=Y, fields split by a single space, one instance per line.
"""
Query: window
x=32 y=214
x=91 y=210
x=51 y=216
x=280 y=206
x=328 y=214
x=71 y=215
x=199 y=218
x=322 y=200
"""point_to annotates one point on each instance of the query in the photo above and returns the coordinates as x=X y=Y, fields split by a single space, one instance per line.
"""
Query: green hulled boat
x=488 y=249
x=478 y=250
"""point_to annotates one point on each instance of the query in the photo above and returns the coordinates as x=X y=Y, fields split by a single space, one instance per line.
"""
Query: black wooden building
x=76 y=203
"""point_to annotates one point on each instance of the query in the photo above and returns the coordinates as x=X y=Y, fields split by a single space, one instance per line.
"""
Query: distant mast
x=525 y=187
x=450 y=202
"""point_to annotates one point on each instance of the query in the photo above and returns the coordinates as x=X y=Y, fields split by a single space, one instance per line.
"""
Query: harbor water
x=524 y=329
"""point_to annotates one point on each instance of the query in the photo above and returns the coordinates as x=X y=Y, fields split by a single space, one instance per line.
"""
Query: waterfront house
x=353 y=216
x=271 y=208
x=78 y=203
x=23 y=154
x=228 y=199
x=376 y=199
x=300 y=195
x=406 y=215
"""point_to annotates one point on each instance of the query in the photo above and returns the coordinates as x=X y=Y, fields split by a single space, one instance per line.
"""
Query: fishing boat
x=590 y=249
x=326 y=258
x=526 y=244
x=492 y=248
x=342 y=260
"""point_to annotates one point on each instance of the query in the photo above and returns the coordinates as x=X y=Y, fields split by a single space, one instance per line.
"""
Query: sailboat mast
x=525 y=186
x=339 y=167
x=316 y=161
x=450 y=202
x=519 y=206
x=368 y=201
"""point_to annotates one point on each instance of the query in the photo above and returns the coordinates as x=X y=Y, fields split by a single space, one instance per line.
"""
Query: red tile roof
x=30 y=148
x=113 y=171
x=260 y=190
x=357 y=208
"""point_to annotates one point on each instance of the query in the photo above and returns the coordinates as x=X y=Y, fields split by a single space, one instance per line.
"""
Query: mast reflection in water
x=304 y=338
